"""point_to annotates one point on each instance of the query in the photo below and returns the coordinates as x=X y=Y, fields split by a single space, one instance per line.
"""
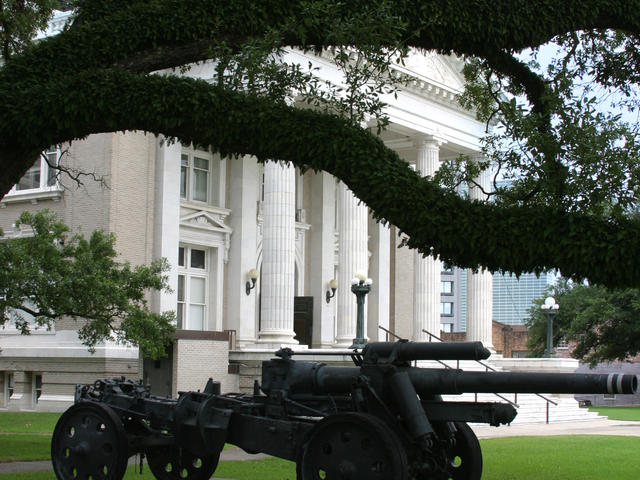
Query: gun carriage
x=378 y=419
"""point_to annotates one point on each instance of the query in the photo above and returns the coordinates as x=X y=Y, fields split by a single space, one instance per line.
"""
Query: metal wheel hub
x=89 y=441
x=352 y=446
x=462 y=460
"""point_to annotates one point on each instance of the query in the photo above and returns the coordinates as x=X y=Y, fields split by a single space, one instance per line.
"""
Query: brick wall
x=453 y=336
x=198 y=356
x=508 y=340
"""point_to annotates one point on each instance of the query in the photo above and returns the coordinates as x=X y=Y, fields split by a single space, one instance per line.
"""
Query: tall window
x=40 y=176
x=200 y=177
x=446 y=287
x=192 y=288
x=9 y=386
x=37 y=388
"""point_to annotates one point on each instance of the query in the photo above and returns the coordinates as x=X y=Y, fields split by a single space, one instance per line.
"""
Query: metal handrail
x=432 y=336
x=415 y=363
x=389 y=332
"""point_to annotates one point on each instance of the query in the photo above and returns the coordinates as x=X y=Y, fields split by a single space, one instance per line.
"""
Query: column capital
x=428 y=141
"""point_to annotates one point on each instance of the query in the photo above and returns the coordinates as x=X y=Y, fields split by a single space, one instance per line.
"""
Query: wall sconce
x=333 y=284
x=253 y=276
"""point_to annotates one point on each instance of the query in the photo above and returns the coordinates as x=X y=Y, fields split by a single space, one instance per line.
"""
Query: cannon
x=381 y=418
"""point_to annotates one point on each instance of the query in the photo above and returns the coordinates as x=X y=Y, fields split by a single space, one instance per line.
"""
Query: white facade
x=215 y=219
x=301 y=232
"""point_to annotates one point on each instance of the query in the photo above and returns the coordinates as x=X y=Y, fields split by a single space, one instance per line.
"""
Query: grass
x=26 y=435
x=26 y=422
x=579 y=457
x=24 y=446
x=618 y=413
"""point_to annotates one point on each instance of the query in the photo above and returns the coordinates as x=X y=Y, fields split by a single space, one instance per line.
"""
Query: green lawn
x=619 y=413
x=21 y=422
x=26 y=436
x=24 y=446
x=579 y=457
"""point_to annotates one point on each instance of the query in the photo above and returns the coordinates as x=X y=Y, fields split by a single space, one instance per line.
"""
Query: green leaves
x=602 y=324
x=20 y=21
x=570 y=211
x=49 y=273
x=569 y=147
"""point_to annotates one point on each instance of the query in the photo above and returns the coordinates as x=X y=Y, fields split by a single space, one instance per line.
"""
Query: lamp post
x=549 y=310
x=360 y=285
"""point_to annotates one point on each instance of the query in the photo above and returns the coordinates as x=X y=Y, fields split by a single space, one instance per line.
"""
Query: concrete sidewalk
x=230 y=454
x=601 y=426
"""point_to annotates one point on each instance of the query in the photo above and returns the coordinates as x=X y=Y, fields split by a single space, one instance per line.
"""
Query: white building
x=215 y=219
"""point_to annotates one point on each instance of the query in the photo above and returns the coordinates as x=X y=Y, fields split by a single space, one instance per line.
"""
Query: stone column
x=244 y=192
x=480 y=284
x=426 y=273
x=278 y=254
x=322 y=258
x=378 y=300
x=352 y=258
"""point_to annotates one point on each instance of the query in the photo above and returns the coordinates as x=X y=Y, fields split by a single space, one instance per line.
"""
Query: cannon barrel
x=312 y=377
x=457 y=381
x=407 y=351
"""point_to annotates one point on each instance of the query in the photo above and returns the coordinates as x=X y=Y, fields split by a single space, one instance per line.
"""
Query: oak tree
x=97 y=76
x=47 y=272
x=600 y=324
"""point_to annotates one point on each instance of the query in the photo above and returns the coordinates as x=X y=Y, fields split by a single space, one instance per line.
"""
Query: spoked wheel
x=352 y=446
x=174 y=463
x=89 y=443
x=464 y=459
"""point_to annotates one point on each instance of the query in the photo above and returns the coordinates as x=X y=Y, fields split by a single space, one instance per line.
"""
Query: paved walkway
x=592 y=427
x=230 y=454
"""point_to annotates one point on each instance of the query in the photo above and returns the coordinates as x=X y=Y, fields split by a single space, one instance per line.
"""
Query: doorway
x=303 y=319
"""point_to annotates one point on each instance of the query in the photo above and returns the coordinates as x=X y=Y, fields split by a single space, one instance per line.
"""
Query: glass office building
x=512 y=297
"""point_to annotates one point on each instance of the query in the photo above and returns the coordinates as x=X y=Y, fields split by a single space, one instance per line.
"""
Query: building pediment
x=207 y=228
x=202 y=220
x=435 y=69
